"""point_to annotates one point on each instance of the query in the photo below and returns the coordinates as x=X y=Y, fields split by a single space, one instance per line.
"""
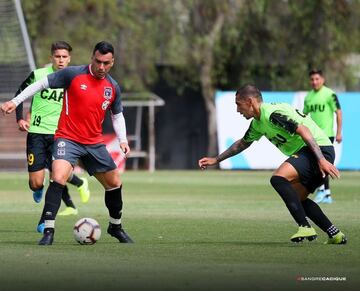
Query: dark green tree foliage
x=207 y=44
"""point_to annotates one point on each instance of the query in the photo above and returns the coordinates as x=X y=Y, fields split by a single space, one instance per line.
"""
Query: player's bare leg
x=36 y=184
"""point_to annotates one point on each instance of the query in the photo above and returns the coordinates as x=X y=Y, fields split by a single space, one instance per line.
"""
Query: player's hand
x=328 y=168
x=338 y=138
x=23 y=125
x=124 y=147
x=8 y=107
x=206 y=161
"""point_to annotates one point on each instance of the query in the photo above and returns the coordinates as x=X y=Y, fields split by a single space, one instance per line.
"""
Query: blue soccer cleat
x=320 y=195
x=38 y=194
x=327 y=200
x=40 y=228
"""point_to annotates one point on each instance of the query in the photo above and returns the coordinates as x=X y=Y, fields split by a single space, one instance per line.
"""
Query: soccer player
x=89 y=92
x=45 y=112
x=321 y=102
x=311 y=156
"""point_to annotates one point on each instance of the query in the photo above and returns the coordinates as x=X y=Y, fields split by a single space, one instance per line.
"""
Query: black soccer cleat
x=116 y=231
x=47 y=238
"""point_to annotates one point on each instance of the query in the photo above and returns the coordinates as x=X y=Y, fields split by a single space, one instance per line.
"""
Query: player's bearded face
x=101 y=64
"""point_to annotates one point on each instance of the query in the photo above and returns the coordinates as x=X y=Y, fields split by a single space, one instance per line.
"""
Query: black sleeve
x=336 y=100
x=28 y=81
x=284 y=122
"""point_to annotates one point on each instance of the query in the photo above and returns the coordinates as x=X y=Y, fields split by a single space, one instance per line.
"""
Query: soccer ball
x=87 y=231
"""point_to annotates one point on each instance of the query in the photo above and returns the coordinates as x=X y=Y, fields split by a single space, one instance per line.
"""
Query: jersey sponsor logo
x=55 y=95
x=105 y=105
x=83 y=87
x=315 y=108
x=107 y=93
x=61 y=152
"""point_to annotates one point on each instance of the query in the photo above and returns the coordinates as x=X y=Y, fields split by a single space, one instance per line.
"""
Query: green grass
x=196 y=230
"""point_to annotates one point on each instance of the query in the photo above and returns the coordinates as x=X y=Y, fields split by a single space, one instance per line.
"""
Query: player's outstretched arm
x=325 y=166
x=8 y=107
x=234 y=149
x=29 y=91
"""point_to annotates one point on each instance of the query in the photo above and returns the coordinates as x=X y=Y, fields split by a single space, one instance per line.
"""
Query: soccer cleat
x=320 y=195
x=47 y=238
x=303 y=233
x=327 y=200
x=338 y=239
x=40 y=228
x=84 y=191
x=116 y=231
x=38 y=194
x=68 y=211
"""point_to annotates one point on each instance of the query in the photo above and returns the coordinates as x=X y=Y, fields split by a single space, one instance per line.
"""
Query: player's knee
x=113 y=181
x=59 y=177
x=36 y=184
x=113 y=184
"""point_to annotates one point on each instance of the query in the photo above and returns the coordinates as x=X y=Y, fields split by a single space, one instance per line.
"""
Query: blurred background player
x=311 y=157
x=321 y=102
x=41 y=123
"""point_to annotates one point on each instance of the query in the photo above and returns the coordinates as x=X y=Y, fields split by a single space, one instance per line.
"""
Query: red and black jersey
x=86 y=100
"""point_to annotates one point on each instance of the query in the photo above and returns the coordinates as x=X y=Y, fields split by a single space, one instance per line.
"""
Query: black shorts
x=305 y=163
x=38 y=150
x=95 y=158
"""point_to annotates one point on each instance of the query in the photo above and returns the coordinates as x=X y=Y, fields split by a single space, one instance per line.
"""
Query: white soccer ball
x=87 y=231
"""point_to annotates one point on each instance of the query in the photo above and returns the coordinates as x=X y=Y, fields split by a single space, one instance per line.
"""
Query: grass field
x=212 y=230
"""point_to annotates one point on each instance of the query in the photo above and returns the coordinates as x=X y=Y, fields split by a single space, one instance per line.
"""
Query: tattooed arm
x=234 y=149
x=325 y=166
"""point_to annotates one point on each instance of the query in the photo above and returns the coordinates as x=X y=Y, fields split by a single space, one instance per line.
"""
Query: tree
x=212 y=44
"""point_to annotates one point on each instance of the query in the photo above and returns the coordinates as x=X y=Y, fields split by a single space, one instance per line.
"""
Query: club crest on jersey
x=107 y=93
x=105 y=105
x=61 y=144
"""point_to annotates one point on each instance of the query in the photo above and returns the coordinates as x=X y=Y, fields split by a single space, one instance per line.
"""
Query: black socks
x=75 y=180
x=66 y=198
x=113 y=201
x=314 y=212
x=52 y=200
x=291 y=199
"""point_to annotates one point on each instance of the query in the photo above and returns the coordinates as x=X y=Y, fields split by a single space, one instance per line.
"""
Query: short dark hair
x=103 y=47
x=60 y=45
x=247 y=91
x=315 y=72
